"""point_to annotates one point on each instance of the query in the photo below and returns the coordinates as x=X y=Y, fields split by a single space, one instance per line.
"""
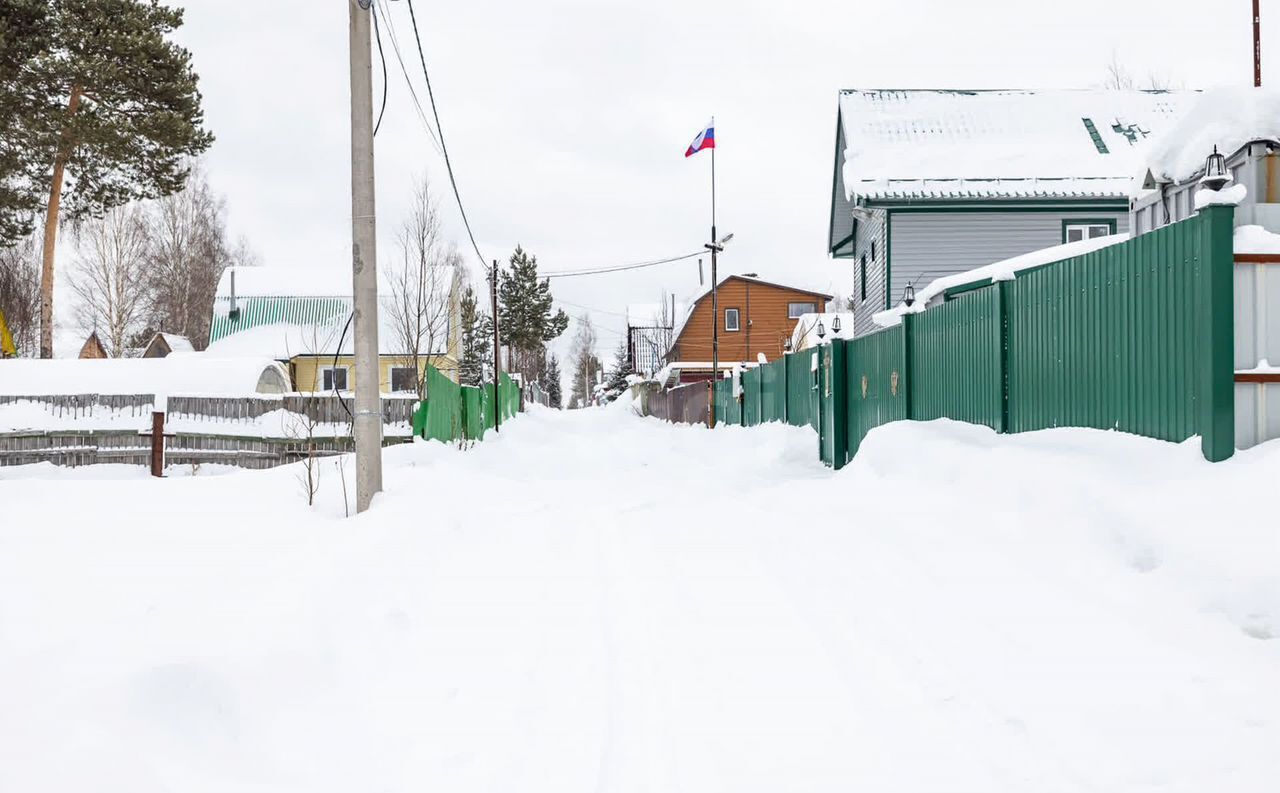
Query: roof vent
x=1093 y=134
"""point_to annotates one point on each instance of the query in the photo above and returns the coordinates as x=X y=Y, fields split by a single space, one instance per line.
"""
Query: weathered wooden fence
x=236 y=435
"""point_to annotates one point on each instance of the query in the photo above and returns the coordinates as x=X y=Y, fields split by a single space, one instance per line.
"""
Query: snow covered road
x=598 y=602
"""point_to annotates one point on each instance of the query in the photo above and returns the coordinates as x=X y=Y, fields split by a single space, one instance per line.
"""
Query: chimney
x=234 y=313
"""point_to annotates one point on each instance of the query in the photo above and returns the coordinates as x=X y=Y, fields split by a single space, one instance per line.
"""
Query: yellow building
x=255 y=313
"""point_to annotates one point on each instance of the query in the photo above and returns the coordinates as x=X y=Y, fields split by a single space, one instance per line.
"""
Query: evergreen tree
x=550 y=383
x=25 y=32
x=473 y=366
x=616 y=380
x=110 y=114
x=526 y=321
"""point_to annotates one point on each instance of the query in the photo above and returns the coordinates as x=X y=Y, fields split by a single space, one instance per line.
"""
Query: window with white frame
x=404 y=379
x=797 y=310
x=1086 y=230
x=731 y=319
x=333 y=378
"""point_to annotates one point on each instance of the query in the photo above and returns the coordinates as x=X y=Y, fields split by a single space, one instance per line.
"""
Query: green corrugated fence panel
x=773 y=391
x=876 y=382
x=955 y=360
x=444 y=408
x=751 y=414
x=802 y=392
x=1109 y=339
x=472 y=413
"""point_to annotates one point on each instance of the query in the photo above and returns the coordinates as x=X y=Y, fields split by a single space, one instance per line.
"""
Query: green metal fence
x=1135 y=337
x=802 y=388
x=452 y=412
x=955 y=366
x=875 y=377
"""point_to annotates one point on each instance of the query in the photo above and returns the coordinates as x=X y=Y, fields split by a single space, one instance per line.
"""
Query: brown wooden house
x=755 y=317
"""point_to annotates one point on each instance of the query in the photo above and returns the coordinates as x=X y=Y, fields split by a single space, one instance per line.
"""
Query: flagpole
x=715 y=286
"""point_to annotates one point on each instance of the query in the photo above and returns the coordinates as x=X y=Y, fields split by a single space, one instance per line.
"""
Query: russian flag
x=706 y=140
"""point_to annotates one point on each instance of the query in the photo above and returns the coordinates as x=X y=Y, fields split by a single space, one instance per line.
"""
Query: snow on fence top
x=184 y=374
x=1008 y=144
x=1004 y=270
x=1228 y=118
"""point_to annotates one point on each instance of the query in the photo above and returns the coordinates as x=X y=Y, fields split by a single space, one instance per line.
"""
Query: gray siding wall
x=929 y=245
x=871 y=233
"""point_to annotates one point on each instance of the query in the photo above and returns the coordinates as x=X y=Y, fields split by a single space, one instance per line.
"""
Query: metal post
x=497 y=350
x=1217 y=366
x=157 y=443
x=1257 y=46
x=715 y=296
x=367 y=421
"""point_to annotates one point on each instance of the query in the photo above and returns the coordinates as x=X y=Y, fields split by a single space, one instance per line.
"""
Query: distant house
x=302 y=319
x=755 y=318
x=93 y=348
x=162 y=344
x=931 y=183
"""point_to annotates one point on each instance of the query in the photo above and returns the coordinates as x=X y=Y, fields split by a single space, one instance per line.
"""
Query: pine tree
x=110 y=103
x=473 y=366
x=616 y=381
x=526 y=320
x=550 y=383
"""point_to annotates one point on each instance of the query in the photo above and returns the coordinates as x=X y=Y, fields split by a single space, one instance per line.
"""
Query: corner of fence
x=1217 y=375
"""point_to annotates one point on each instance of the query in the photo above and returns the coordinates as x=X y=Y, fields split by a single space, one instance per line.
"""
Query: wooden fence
x=252 y=447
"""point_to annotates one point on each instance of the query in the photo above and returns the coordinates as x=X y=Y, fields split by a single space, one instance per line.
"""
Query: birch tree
x=109 y=276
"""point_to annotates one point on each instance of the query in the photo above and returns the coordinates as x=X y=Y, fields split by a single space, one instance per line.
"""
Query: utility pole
x=1257 y=46
x=715 y=248
x=367 y=421
x=497 y=351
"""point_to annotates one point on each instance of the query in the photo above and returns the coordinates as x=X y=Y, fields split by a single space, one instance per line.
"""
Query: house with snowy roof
x=929 y=183
x=303 y=320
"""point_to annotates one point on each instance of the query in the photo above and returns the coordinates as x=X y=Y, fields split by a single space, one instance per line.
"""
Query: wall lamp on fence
x=909 y=295
x=822 y=332
x=1216 y=176
x=786 y=345
x=835 y=325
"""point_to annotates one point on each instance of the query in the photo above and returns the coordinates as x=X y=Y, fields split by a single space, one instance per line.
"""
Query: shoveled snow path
x=598 y=602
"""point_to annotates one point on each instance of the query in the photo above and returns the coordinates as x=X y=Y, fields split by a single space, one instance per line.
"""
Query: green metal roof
x=291 y=310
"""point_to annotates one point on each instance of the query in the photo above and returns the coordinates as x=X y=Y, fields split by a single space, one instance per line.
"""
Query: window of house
x=404 y=378
x=862 y=277
x=1086 y=230
x=333 y=378
x=796 y=310
x=731 y=319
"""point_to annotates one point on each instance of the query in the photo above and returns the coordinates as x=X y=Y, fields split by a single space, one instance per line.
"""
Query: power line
x=619 y=268
x=413 y=93
x=373 y=12
x=444 y=149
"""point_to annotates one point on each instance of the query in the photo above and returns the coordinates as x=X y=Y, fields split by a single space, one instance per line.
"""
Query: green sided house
x=929 y=183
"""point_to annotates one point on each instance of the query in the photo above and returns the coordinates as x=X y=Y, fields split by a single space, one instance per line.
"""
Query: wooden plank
x=1257 y=258
x=1258 y=377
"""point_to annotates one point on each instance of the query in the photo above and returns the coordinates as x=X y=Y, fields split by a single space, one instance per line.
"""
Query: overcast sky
x=567 y=120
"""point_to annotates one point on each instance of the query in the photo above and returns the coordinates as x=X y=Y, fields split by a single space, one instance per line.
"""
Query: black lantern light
x=909 y=295
x=1216 y=176
x=786 y=345
x=835 y=325
x=822 y=332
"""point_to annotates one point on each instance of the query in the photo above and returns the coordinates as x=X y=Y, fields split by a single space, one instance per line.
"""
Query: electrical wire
x=453 y=182
x=413 y=92
x=373 y=13
x=619 y=268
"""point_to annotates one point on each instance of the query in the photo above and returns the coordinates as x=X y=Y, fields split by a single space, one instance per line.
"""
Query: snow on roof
x=284 y=340
x=176 y=343
x=197 y=373
x=1005 y=144
x=1004 y=270
x=1228 y=118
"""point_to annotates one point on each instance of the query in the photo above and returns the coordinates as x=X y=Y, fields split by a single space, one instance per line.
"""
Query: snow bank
x=1255 y=239
x=577 y=605
x=1005 y=270
x=1227 y=118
